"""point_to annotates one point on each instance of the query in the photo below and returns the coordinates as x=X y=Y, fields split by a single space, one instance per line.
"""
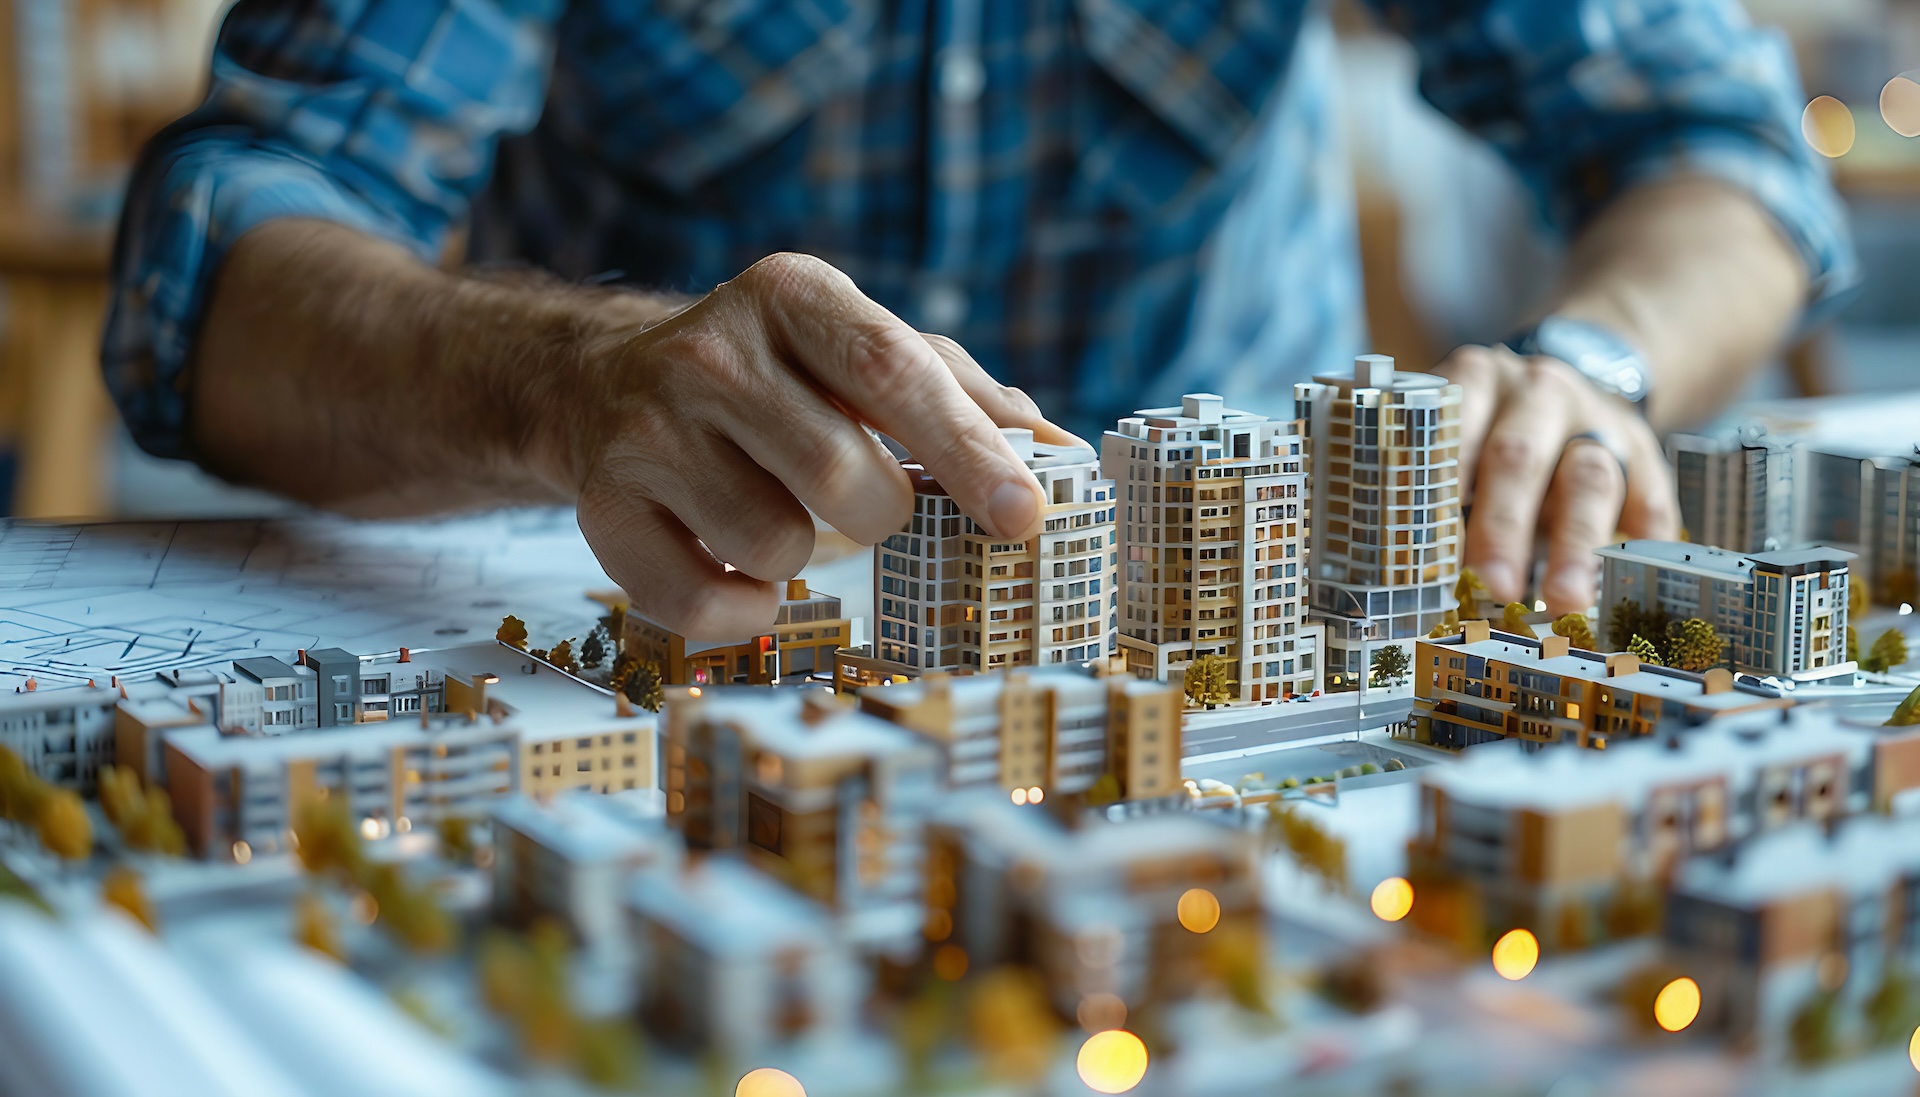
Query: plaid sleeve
x=1588 y=99
x=377 y=114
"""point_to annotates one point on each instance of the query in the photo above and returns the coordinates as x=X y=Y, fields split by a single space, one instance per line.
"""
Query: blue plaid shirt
x=1108 y=202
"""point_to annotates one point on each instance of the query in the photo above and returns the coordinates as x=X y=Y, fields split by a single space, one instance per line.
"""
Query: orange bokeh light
x=768 y=1082
x=1113 y=1061
x=1515 y=954
x=1199 y=910
x=1392 y=899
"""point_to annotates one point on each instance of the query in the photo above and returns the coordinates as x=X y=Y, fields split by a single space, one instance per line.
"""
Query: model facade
x=1482 y=686
x=949 y=597
x=1781 y=613
x=1045 y=733
x=1215 y=534
x=1386 y=532
x=1736 y=491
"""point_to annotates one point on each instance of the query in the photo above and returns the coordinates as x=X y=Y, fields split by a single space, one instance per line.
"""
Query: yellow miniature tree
x=1206 y=681
x=64 y=827
x=314 y=926
x=1643 y=648
x=1011 y=1024
x=1313 y=847
x=144 y=819
x=593 y=650
x=1466 y=591
x=1514 y=619
x=512 y=631
x=1578 y=632
x=1449 y=625
x=21 y=792
x=1907 y=713
x=122 y=887
x=1889 y=651
x=1694 y=645
x=562 y=657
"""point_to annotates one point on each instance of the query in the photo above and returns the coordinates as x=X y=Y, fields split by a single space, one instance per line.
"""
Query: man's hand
x=1543 y=451
x=723 y=425
x=342 y=371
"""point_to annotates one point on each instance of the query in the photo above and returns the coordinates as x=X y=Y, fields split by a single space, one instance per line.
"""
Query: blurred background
x=1451 y=247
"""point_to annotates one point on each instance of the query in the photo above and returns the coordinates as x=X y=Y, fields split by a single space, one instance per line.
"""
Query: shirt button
x=962 y=78
x=943 y=307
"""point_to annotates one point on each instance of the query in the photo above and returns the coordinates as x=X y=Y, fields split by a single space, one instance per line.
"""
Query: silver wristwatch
x=1608 y=361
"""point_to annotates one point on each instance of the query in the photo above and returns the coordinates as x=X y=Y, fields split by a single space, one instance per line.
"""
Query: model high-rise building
x=1781 y=613
x=1214 y=525
x=1736 y=492
x=1385 y=544
x=949 y=597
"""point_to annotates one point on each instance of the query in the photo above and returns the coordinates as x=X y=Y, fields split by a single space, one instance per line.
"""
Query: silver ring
x=1591 y=436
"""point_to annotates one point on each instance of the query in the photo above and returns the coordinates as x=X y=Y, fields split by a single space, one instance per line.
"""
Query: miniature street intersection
x=877 y=899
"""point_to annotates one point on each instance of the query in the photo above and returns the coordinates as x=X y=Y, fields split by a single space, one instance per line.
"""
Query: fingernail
x=1012 y=508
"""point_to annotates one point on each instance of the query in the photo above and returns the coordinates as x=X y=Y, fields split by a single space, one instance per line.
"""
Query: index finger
x=887 y=375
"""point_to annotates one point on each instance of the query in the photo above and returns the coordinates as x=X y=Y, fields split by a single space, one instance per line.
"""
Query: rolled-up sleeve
x=377 y=114
x=1587 y=98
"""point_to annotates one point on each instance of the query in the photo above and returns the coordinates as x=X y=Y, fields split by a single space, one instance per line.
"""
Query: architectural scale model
x=1231 y=582
x=1208 y=790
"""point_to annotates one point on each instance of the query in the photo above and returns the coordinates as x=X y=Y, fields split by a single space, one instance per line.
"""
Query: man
x=1103 y=201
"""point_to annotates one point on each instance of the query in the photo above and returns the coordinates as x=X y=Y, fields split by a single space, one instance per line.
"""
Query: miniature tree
x=121 y=887
x=562 y=657
x=1643 y=648
x=615 y=624
x=512 y=631
x=1206 y=681
x=593 y=650
x=1466 y=591
x=144 y=819
x=456 y=838
x=1449 y=625
x=1692 y=644
x=1891 y=1011
x=1390 y=664
x=1574 y=627
x=1889 y=651
x=1853 y=645
x=21 y=792
x=1011 y=1024
x=64 y=827
x=1901 y=587
x=502 y=968
x=642 y=686
x=1312 y=846
x=1514 y=619
x=1105 y=790
x=1907 y=713
x=1810 y=1034
x=314 y=926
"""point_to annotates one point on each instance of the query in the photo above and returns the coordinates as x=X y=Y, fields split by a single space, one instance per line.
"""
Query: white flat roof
x=580 y=826
x=1866 y=853
x=728 y=908
x=1682 y=556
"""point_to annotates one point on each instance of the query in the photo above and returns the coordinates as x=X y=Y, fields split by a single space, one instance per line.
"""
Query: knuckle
x=1588 y=468
x=1512 y=449
x=883 y=362
x=778 y=549
x=1019 y=403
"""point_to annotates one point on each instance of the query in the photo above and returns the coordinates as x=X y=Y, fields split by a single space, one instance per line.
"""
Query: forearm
x=1696 y=275
x=340 y=370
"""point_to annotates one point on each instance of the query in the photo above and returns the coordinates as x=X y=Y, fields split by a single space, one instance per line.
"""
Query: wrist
x=1606 y=358
x=536 y=365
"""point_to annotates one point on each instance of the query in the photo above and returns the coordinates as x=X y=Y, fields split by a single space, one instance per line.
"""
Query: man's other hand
x=1543 y=452
x=707 y=437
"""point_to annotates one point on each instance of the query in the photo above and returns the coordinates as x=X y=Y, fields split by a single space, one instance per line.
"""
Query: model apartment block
x=808 y=628
x=949 y=597
x=1756 y=490
x=1479 y=686
x=1384 y=449
x=1214 y=524
x=1044 y=732
x=828 y=799
x=1555 y=840
x=1782 y=613
x=474 y=723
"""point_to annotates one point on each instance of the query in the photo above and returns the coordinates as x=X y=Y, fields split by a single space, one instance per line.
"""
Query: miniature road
x=1239 y=730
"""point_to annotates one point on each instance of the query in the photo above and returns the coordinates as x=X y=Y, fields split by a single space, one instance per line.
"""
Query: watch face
x=1602 y=357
